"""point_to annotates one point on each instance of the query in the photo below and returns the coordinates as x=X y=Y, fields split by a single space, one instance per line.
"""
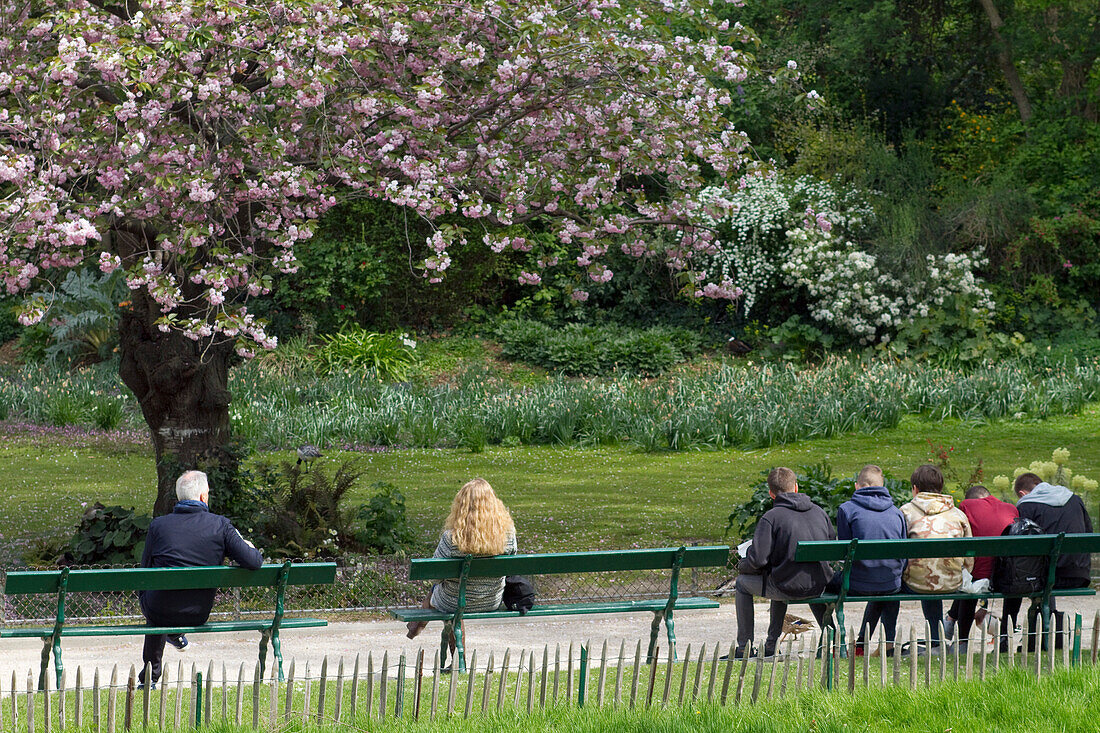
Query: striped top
x=482 y=594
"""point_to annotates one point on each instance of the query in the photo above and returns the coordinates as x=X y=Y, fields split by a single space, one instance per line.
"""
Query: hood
x=190 y=506
x=873 y=498
x=1048 y=494
x=930 y=503
x=793 y=500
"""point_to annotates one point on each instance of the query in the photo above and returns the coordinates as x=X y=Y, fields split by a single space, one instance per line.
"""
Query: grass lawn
x=562 y=498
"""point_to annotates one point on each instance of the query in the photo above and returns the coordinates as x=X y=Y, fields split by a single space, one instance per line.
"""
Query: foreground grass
x=562 y=497
x=1012 y=701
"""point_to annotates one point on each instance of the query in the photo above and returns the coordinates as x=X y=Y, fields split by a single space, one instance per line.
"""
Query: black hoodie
x=793 y=518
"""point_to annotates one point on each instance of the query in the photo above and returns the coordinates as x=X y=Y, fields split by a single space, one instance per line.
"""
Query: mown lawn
x=562 y=498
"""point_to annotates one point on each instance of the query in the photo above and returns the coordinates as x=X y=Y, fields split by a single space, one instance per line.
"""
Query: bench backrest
x=955 y=547
x=570 y=562
x=28 y=582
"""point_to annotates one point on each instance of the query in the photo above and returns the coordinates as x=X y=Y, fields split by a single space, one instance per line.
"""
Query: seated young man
x=768 y=569
x=1056 y=509
x=988 y=517
x=871 y=515
x=931 y=514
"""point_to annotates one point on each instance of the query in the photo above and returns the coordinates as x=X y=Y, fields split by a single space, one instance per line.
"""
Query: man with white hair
x=190 y=536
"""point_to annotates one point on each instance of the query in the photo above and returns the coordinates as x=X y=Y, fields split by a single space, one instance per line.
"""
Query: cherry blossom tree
x=192 y=143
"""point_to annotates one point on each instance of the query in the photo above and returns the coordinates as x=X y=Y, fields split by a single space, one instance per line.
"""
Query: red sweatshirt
x=988 y=518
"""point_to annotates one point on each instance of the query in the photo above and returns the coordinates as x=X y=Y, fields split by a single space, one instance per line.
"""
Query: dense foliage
x=817 y=482
x=594 y=350
x=110 y=535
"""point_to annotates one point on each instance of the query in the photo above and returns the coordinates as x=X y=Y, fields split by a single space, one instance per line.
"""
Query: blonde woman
x=479 y=524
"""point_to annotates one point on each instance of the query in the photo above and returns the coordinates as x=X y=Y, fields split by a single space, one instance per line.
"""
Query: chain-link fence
x=374 y=585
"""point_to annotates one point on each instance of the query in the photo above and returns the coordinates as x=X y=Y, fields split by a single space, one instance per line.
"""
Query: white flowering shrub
x=804 y=233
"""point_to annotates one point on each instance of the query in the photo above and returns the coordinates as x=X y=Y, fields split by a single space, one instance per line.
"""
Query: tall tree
x=194 y=142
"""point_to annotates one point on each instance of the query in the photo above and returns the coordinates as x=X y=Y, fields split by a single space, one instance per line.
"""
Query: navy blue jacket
x=871 y=515
x=191 y=535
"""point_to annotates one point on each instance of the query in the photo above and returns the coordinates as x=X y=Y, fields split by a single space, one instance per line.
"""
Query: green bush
x=578 y=349
x=390 y=355
x=299 y=511
x=110 y=535
x=817 y=482
x=382 y=525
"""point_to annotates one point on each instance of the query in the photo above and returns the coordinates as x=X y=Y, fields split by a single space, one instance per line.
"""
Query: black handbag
x=519 y=594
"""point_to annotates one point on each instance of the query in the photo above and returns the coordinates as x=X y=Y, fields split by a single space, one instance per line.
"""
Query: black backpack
x=1020 y=575
x=519 y=594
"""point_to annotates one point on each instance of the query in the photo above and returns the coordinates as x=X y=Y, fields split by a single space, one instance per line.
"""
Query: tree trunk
x=1004 y=60
x=181 y=386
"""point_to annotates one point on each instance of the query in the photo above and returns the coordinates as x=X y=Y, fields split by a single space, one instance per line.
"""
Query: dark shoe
x=739 y=653
x=415 y=627
x=142 y=686
x=179 y=641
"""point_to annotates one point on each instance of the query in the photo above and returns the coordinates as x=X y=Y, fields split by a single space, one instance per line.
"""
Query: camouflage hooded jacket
x=935 y=515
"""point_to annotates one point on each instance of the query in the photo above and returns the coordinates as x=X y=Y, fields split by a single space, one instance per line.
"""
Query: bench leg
x=670 y=630
x=264 y=636
x=47 y=647
x=654 y=631
x=277 y=650
x=459 y=658
x=841 y=631
x=445 y=644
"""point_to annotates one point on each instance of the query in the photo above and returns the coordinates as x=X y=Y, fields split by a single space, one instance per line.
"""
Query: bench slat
x=141 y=630
x=562 y=609
x=131 y=579
x=568 y=562
x=946 y=547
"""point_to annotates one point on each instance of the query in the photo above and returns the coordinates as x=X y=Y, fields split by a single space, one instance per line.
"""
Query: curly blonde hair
x=479 y=521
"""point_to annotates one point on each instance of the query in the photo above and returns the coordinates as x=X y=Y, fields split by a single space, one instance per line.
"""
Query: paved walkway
x=388 y=635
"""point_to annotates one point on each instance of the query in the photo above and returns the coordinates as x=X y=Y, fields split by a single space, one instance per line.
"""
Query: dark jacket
x=1057 y=509
x=190 y=536
x=792 y=518
x=871 y=515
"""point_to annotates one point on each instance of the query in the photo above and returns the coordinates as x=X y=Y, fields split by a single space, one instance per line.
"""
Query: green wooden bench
x=64 y=581
x=460 y=569
x=848 y=551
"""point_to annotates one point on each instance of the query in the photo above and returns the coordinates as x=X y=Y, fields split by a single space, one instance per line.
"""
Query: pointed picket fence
x=352 y=692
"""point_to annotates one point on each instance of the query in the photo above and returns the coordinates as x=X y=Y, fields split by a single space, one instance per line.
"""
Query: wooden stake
x=637 y=672
x=544 y=680
x=503 y=677
x=683 y=674
x=470 y=684
x=322 y=690
x=619 y=675
x=238 y=702
x=289 y=704
x=488 y=684
x=603 y=675
x=726 y=677
x=383 y=685
x=435 y=687
x=338 y=709
x=713 y=673
x=353 y=703
x=112 y=696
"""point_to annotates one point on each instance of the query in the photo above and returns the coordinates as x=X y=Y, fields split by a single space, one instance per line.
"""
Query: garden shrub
x=817 y=482
x=578 y=349
x=390 y=355
x=300 y=515
x=1055 y=471
x=111 y=535
x=381 y=525
x=82 y=325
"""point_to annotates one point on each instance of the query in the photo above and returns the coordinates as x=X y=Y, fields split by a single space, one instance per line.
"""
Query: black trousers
x=1012 y=611
x=153 y=651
